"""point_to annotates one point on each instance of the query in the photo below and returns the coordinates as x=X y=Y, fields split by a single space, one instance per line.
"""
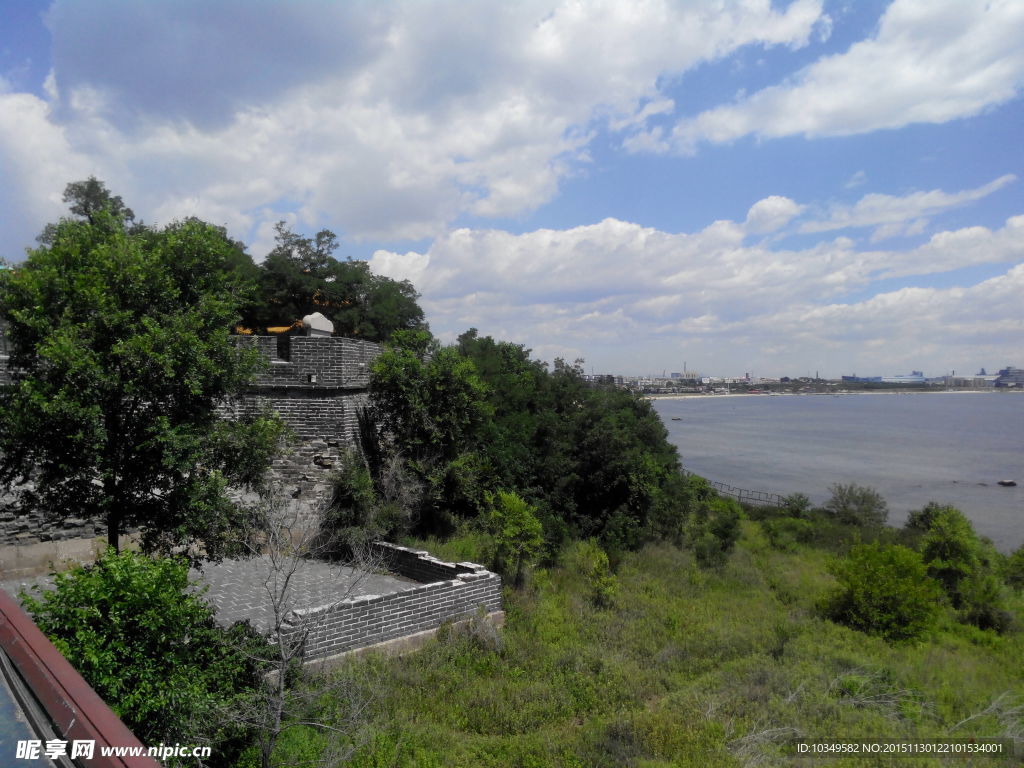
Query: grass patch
x=685 y=667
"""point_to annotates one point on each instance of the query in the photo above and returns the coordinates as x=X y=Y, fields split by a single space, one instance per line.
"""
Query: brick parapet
x=458 y=592
x=315 y=362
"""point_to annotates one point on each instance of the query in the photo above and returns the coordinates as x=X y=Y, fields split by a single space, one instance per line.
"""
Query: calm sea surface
x=950 y=448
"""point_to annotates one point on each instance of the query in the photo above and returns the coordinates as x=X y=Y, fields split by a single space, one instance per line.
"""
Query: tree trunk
x=113 y=528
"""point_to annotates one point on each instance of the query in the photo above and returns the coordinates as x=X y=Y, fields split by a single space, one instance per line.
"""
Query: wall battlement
x=447 y=591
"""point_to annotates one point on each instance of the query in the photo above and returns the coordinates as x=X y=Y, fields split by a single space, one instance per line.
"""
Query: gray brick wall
x=333 y=361
x=369 y=619
x=321 y=413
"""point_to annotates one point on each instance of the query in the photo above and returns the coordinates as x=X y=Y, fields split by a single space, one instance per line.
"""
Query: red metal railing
x=75 y=708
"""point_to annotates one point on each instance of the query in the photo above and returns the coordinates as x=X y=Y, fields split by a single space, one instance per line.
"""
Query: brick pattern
x=370 y=619
x=316 y=363
x=31 y=527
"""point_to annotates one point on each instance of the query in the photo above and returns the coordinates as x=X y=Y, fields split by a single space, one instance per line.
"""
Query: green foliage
x=713 y=526
x=429 y=403
x=921 y=520
x=516 y=532
x=787 y=533
x=950 y=549
x=858 y=505
x=120 y=339
x=796 y=505
x=884 y=590
x=300 y=276
x=967 y=567
x=981 y=597
x=588 y=559
x=428 y=399
x=686 y=667
x=1015 y=569
x=148 y=645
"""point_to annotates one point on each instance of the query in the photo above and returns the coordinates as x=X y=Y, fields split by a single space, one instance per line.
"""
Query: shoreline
x=682 y=396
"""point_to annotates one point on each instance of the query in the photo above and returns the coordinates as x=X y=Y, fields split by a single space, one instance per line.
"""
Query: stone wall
x=315 y=362
x=453 y=591
x=318 y=386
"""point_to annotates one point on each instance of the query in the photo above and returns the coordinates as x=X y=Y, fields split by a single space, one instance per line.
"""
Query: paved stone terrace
x=238 y=589
x=241 y=589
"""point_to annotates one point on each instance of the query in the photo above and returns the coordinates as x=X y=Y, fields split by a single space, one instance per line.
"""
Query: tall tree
x=121 y=352
x=301 y=276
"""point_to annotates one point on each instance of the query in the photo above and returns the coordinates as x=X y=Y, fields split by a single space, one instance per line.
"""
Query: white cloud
x=858 y=179
x=387 y=120
x=896 y=215
x=931 y=61
x=36 y=162
x=770 y=214
x=615 y=287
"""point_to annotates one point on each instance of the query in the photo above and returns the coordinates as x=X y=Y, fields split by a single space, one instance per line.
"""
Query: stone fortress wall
x=317 y=383
x=445 y=592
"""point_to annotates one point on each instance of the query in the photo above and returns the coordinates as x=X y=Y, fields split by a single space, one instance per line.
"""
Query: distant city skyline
x=773 y=187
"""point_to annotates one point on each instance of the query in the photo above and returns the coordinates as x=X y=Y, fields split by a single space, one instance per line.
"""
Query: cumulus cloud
x=389 y=120
x=900 y=215
x=706 y=288
x=770 y=214
x=931 y=61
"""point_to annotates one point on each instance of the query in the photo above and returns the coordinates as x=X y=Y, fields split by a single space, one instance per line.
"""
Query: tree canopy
x=301 y=276
x=121 y=352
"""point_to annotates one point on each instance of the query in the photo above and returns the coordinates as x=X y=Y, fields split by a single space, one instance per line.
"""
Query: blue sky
x=775 y=188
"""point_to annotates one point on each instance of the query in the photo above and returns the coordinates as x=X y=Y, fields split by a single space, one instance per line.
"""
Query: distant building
x=1010 y=377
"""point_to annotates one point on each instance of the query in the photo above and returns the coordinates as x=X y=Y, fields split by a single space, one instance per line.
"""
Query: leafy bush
x=983 y=604
x=922 y=519
x=1015 y=569
x=857 y=505
x=884 y=590
x=796 y=505
x=786 y=532
x=713 y=528
x=588 y=559
x=148 y=645
x=951 y=551
x=518 y=536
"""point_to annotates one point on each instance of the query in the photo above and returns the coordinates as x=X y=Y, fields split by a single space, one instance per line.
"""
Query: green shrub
x=796 y=505
x=1015 y=569
x=951 y=551
x=588 y=559
x=713 y=530
x=922 y=519
x=857 y=505
x=884 y=590
x=518 y=535
x=983 y=604
x=149 y=646
x=786 y=532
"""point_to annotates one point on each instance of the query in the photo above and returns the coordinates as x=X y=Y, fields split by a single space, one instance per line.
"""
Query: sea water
x=912 y=448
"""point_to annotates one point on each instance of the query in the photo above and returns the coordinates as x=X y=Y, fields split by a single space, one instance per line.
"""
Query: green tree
x=951 y=551
x=428 y=403
x=884 y=590
x=857 y=505
x=517 y=533
x=121 y=350
x=301 y=276
x=148 y=645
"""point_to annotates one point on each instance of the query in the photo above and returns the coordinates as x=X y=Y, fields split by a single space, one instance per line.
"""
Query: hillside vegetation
x=684 y=666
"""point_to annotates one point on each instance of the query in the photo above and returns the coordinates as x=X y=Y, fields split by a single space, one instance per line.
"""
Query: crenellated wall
x=450 y=591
